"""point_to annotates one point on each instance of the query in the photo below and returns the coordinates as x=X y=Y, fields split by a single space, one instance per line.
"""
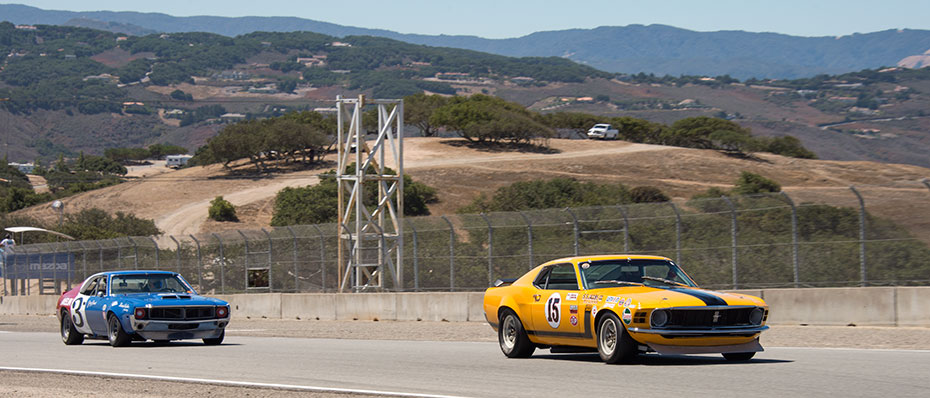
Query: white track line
x=228 y=382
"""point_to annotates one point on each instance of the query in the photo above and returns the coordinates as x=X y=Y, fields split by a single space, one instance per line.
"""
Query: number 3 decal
x=76 y=317
x=554 y=310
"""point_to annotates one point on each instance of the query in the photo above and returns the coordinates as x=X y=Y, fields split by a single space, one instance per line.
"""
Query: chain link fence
x=827 y=237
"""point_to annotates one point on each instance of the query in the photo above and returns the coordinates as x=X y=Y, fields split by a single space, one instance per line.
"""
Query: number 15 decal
x=554 y=310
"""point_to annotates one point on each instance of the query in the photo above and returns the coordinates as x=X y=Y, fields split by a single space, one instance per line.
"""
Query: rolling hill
x=657 y=49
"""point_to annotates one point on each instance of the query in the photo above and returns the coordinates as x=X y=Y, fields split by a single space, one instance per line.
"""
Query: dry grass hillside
x=178 y=199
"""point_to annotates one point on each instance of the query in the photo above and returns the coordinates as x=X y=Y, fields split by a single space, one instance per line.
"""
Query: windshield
x=653 y=273
x=148 y=283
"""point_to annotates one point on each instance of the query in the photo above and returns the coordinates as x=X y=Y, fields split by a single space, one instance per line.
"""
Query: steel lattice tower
x=370 y=236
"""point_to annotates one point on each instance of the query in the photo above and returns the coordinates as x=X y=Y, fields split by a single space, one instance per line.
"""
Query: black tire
x=69 y=335
x=216 y=340
x=115 y=333
x=739 y=356
x=512 y=336
x=614 y=344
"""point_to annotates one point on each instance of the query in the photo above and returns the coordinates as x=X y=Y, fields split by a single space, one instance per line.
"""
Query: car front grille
x=181 y=313
x=708 y=317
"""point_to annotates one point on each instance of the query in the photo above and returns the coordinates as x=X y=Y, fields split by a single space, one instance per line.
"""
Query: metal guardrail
x=757 y=241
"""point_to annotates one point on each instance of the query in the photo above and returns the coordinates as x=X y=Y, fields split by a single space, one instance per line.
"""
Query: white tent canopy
x=34 y=229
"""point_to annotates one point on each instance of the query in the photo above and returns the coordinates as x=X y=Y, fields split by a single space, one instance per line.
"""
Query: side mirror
x=101 y=294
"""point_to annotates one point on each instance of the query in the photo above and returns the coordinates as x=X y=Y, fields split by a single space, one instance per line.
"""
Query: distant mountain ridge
x=658 y=49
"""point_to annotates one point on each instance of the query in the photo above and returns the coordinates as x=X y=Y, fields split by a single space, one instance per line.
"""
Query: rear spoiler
x=504 y=282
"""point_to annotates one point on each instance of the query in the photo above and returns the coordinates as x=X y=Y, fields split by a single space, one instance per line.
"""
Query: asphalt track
x=479 y=370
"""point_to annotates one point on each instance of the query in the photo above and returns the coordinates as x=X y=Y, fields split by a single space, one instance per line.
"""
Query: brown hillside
x=178 y=200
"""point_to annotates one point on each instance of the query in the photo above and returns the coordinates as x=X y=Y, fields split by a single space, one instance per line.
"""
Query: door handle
x=537 y=297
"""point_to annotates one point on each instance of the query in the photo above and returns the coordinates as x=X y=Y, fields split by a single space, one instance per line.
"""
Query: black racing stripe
x=554 y=334
x=587 y=324
x=707 y=298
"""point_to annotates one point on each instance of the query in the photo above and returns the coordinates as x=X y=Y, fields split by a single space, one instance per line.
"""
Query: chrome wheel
x=608 y=336
x=509 y=333
x=112 y=329
x=65 y=327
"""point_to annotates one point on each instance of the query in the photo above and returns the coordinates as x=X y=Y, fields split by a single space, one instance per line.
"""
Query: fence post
x=199 y=263
x=100 y=254
x=24 y=281
x=575 y=231
x=529 y=237
x=322 y=257
x=733 y=231
x=863 y=278
x=626 y=230
x=222 y=264
x=926 y=182
x=794 y=240
x=490 y=248
x=135 y=252
x=177 y=252
x=270 y=260
x=451 y=254
x=246 y=267
x=296 y=280
x=157 y=264
x=677 y=232
x=83 y=259
x=119 y=254
x=416 y=267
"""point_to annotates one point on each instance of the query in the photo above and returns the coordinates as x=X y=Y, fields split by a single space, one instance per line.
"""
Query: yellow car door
x=556 y=313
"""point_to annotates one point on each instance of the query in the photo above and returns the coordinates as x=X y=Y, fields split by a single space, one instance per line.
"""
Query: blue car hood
x=168 y=299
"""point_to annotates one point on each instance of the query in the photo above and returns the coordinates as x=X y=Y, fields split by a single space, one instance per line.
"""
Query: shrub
x=222 y=210
x=751 y=183
x=648 y=194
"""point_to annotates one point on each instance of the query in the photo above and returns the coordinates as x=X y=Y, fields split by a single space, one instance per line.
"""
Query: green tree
x=481 y=118
x=419 y=108
x=222 y=210
x=752 y=183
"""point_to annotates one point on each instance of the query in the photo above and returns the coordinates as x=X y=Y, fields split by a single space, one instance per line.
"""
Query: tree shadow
x=745 y=156
x=499 y=147
x=271 y=170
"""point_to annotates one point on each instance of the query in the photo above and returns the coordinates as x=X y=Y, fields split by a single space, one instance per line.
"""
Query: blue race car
x=123 y=306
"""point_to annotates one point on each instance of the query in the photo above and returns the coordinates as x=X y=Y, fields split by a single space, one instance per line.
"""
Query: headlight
x=140 y=313
x=659 y=318
x=755 y=317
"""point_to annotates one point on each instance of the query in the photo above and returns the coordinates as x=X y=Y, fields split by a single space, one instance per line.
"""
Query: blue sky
x=506 y=18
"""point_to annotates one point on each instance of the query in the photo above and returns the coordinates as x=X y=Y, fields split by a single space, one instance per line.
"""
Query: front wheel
x=69 y=335
x=115 y=333
x=512 y=337
x=614 y=344
x=739 y=356
x=215 y=340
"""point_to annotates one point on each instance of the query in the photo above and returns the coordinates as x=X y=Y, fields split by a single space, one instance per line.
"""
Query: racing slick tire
x=215 y=340
x=69 y=335
x=115 y=333
x=738 y=356
x=614 y=344
x=512 y=337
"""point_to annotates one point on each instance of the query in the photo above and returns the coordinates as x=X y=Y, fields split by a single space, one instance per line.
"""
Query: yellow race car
x=621 y=305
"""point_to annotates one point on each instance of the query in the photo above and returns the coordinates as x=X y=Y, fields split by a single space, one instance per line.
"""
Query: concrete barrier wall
x=871 y=306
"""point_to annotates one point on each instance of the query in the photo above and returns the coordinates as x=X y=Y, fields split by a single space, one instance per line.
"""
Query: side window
x=542 y=278
x=562 y=277
x=102 y=286
x=91 y=287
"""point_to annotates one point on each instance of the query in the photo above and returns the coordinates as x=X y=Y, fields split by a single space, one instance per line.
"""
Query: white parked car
x=603 y=131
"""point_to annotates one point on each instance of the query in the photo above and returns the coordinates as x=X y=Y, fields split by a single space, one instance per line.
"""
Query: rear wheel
x=738 y=356
x=69 y=335
x=614 y=344
x=512 y=336
x=215 y=340
x=115 y=333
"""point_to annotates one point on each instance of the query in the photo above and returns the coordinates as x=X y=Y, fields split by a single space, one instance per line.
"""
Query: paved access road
x=479 y=370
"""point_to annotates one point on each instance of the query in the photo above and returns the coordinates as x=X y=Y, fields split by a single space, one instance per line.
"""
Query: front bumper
x=752 y=346
x=178 y=330
x=716 y=332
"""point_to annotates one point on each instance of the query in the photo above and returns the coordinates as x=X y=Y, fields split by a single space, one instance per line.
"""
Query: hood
x=169 y=299
x=651 y=297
